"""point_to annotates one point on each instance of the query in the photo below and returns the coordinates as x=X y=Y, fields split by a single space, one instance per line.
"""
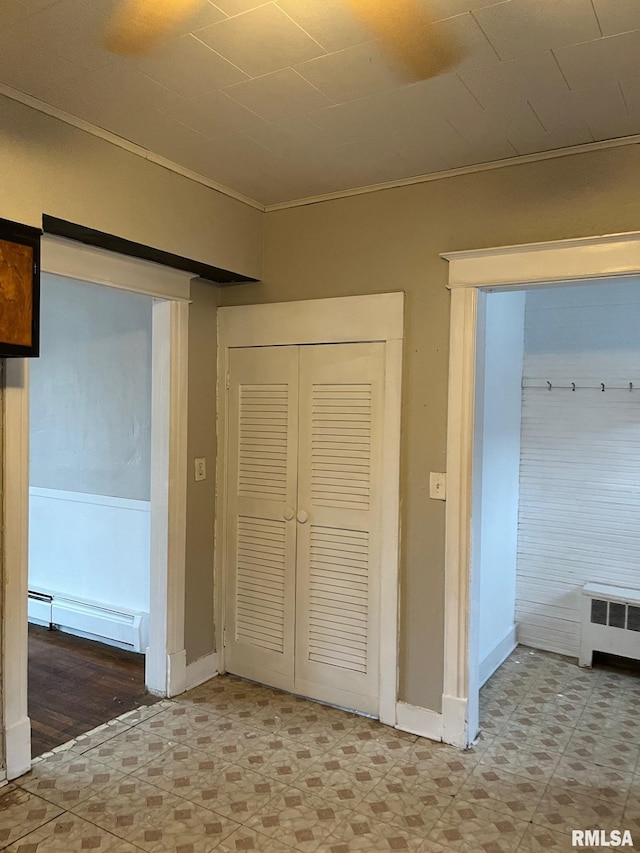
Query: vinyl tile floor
x=232 y=766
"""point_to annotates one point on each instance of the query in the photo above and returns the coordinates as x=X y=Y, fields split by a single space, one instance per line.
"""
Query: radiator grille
x=615 y=615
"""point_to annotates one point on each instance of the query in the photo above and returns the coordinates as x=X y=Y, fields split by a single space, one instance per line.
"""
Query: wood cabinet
x=19 y=289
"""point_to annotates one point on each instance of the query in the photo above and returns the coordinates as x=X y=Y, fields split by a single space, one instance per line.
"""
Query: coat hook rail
x=548 y=385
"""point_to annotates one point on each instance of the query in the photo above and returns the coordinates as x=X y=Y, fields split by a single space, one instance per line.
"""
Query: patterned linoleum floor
x=232 y=766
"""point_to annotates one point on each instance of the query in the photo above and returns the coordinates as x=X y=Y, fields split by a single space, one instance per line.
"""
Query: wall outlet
x=201 y=469
x=438 y=486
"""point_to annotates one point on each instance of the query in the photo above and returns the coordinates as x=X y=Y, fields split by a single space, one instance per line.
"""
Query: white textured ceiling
x=291 y=99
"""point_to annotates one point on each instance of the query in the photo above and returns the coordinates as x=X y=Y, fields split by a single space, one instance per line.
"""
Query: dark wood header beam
x=72 y=231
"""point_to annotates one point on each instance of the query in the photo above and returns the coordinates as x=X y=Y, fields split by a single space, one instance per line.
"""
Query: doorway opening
x=555 y=503
x=89 y=507
x=167 y=291
x=473 y=277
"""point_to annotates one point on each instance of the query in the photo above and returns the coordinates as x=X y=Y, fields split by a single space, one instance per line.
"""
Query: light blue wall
x=498 y=539
x=91 y=391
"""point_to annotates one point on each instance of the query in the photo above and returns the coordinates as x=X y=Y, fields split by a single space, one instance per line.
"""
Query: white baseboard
x=93 y=620
x=454 y=721
x=419 y=721
x=18 y=748
x=201 y=670
x=497 y=655
x=176 y=673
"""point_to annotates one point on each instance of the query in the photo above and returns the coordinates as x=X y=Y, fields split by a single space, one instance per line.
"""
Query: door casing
x=351 y=319
x=166 y=658
x=576 y=261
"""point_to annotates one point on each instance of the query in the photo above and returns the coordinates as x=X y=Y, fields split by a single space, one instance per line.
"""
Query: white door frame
x=351 y=319
x=576 y=261
x=166 y=659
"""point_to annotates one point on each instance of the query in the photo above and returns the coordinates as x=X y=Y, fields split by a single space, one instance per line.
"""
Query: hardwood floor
x=75 y=685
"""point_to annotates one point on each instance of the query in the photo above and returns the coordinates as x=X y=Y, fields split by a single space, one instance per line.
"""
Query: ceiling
x=292 y=99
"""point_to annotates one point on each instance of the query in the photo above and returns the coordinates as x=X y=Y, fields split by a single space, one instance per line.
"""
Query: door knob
x=302 y=516
x=288 y=513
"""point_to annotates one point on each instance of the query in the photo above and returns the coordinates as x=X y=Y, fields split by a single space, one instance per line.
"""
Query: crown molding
x=462 y=170
x=126 y=145
x=146 y=154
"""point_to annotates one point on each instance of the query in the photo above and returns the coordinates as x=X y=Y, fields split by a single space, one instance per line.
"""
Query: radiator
x=124 y=628
x=610 y=622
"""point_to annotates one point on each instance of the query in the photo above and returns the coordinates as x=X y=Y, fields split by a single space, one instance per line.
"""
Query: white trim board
x=75 y=260
x=351 y=319
x=345 y=319
x=565 y=261
x=166 y=658
x=15 y=524
x=419 y=721
x=574 y=261
x=496 y=656
x=201 y=670
x=131 y=504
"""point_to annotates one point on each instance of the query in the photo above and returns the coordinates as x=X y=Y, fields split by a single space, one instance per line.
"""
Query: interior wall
x=579 y=502
x=201 y=495
x=391 y=240
x=47 y=166
x=90 y=455
x=497 y=545
x=90 y=391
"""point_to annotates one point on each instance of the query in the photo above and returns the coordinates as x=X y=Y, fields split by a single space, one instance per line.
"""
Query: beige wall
x=391 y=240
x=49 y=167
x=199 y=621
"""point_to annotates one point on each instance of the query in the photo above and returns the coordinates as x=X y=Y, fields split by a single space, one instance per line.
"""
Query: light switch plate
x=201 y=468
x=438 y=486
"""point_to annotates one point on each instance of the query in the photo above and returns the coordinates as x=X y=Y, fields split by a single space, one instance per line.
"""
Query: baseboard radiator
x=123 y=628
x=610 y=622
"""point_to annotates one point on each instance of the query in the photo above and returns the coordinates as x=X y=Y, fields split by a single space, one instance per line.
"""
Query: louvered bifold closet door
x=338 y=564
x=261 y=527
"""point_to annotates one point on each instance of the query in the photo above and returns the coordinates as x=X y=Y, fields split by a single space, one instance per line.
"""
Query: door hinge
x=228 y=381
x=224 y=637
